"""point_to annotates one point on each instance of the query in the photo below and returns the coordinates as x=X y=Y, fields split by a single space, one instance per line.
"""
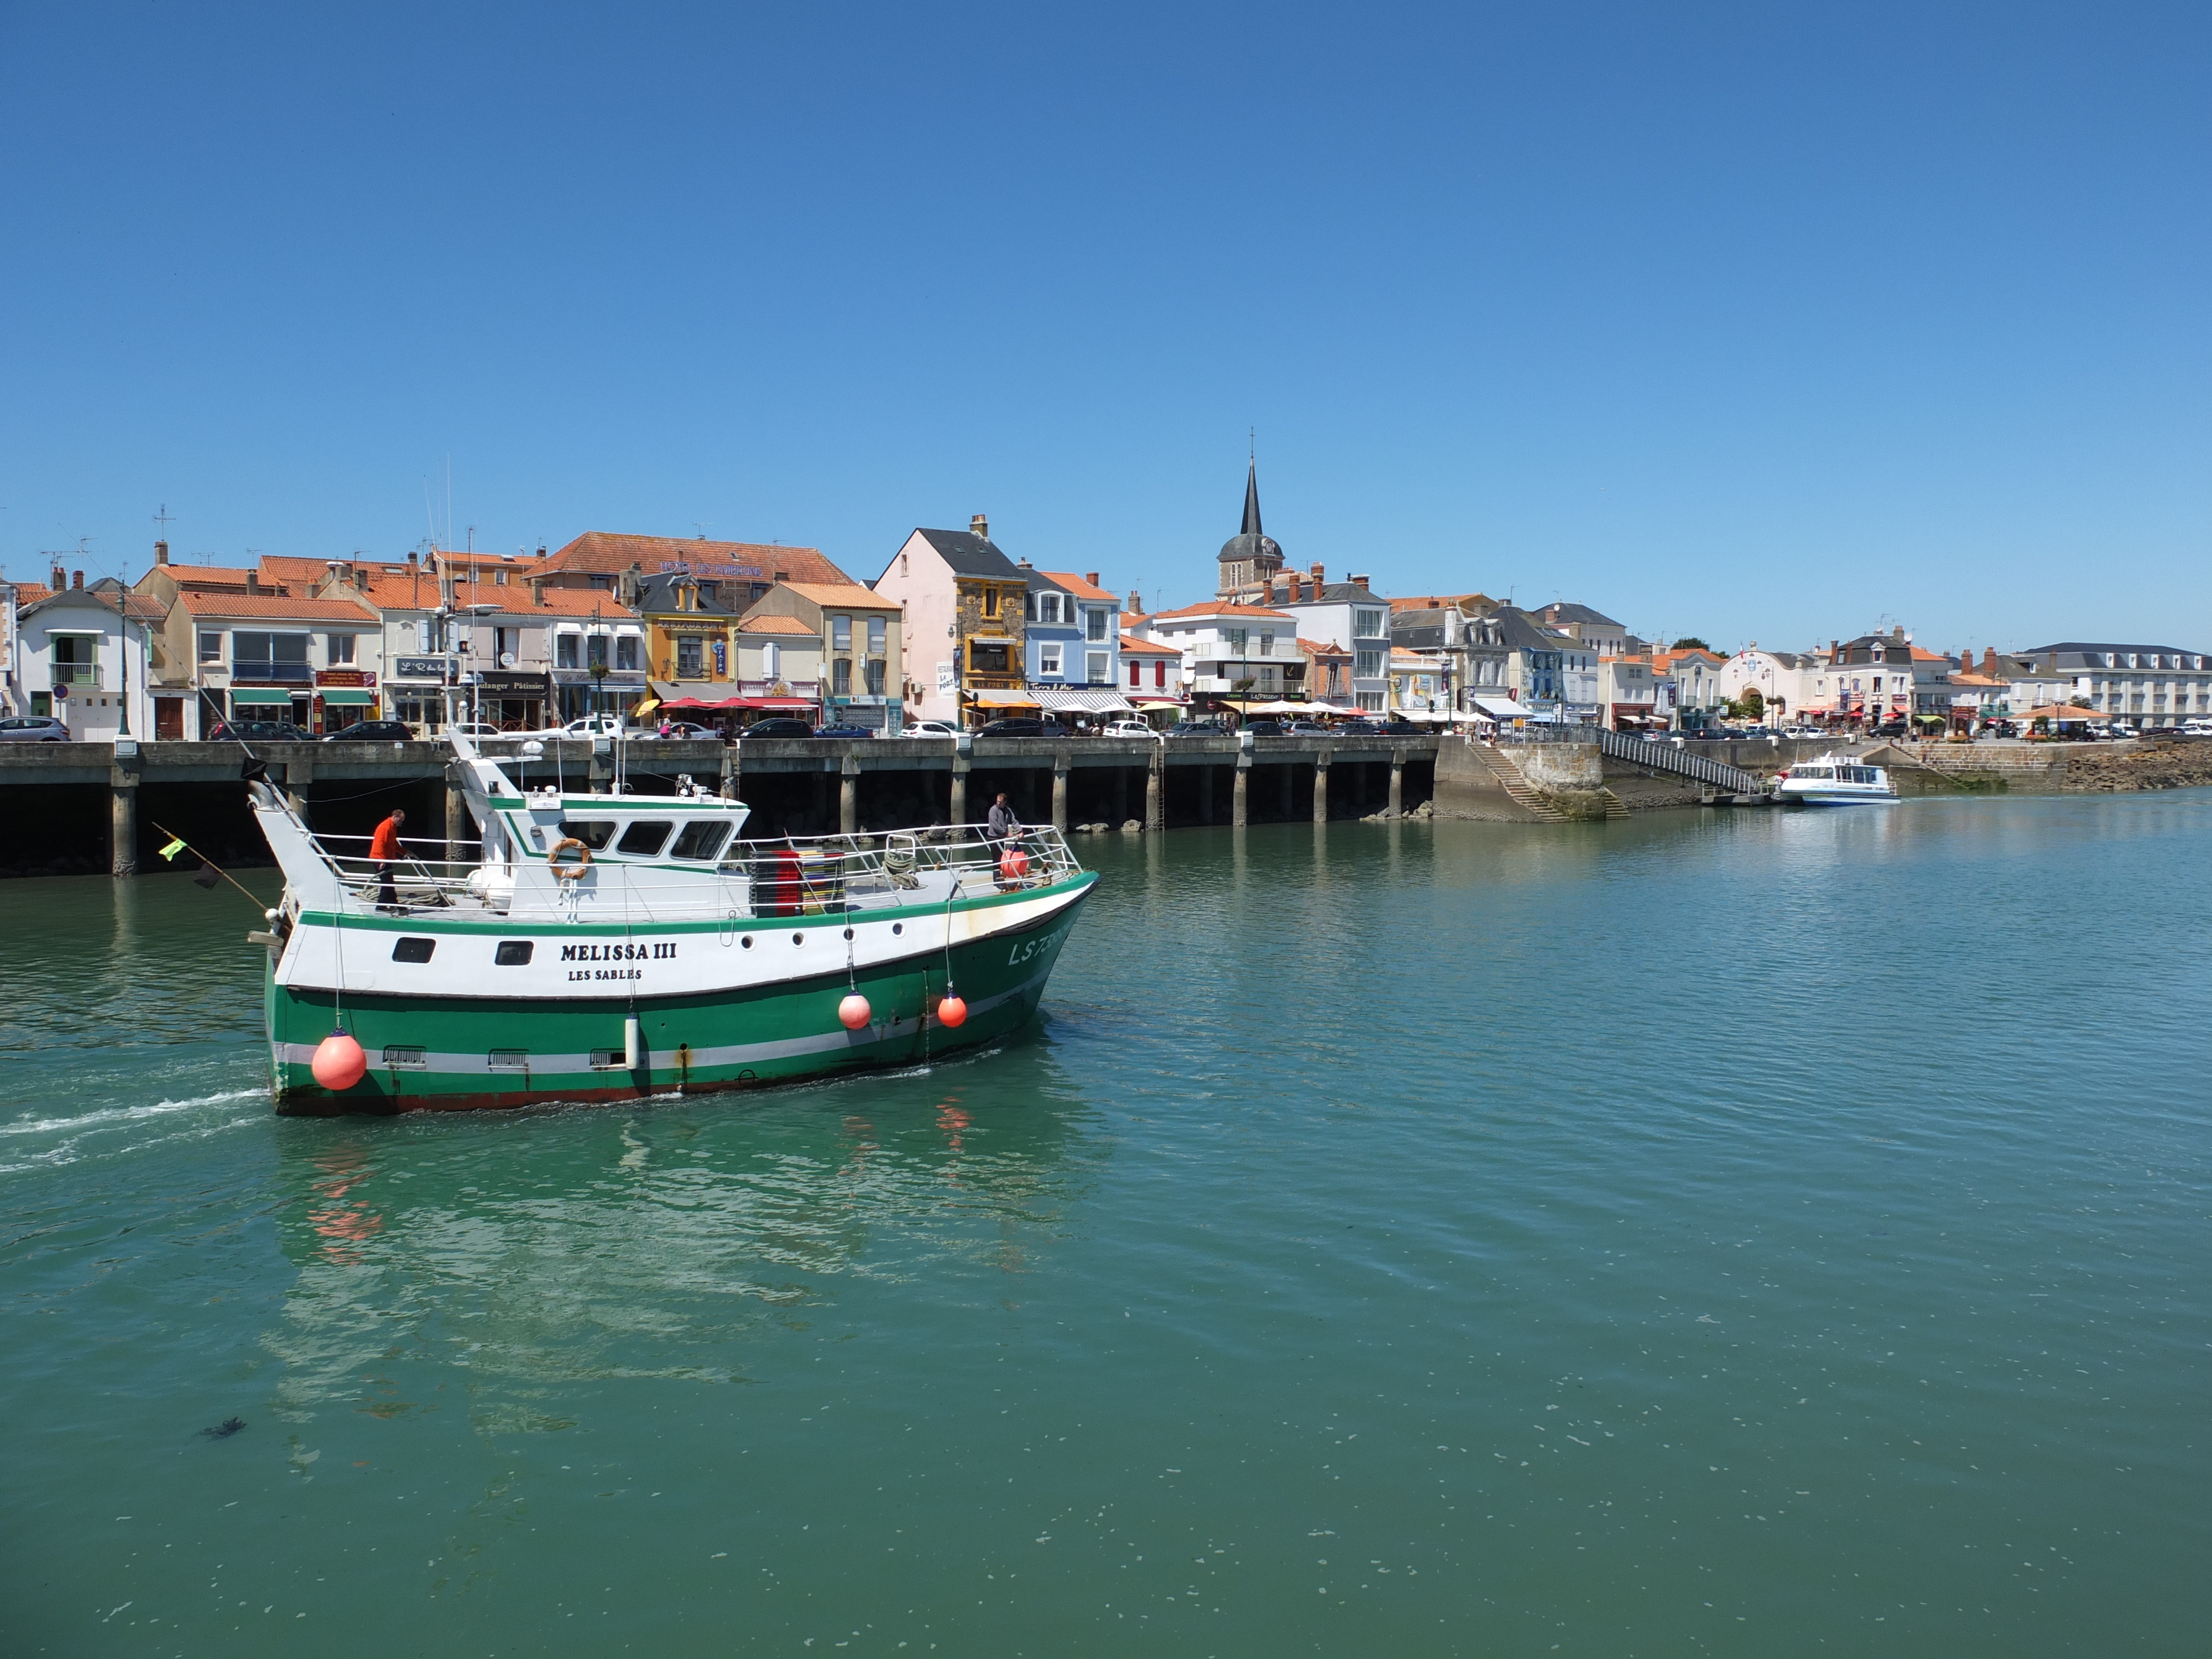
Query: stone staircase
x=1529 y=800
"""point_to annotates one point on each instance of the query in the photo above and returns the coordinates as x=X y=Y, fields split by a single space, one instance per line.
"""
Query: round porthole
x=748 y=941
x=798 y=938
x=898 y=927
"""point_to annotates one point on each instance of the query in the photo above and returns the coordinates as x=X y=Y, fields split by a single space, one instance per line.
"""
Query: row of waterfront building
x=950 y=629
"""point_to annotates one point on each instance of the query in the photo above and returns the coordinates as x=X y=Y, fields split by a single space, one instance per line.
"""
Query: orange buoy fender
x=1013 y=864
x=338 y=1062
x=854 y=1012
x=952 y=1011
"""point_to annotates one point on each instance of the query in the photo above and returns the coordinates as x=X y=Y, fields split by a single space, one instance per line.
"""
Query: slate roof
x=656 y=597
x=2076 y=647
x=1565 y=612
x=969 y=555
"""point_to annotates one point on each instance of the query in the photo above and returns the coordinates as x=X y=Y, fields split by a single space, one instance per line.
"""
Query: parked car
x=927 y=729
x=2196 y=728
x=372 y=731
x=844 y=729
x=1264 y=728
x=1304 y=729
x=256 y=731
x=779 y=726
x=1199 y=729
x=590 y=726
x=686 y=731
x=1022 y=728
x=1127 y=729
x=33 y=728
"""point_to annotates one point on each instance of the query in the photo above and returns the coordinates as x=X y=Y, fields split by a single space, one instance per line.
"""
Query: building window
x=565 y=650
x=1048 y=608
x=281 y=657
x=1095 y=668
x=628 y=650
x=875 y=677
x=878 y=627
x=1048 y=660
x=1160 y=674
x=991 y=602
x=499 y=578
x=341 y=649
x=602 y=584
x=1094 y=626
x=1366 y=664
x=1136 y=675
x=1236 y=638
x=985 y=658
x=211 y=645
x=595 y=650
x=689 y=659
x=841 y=677
x=840 y=633
x=1367 y=624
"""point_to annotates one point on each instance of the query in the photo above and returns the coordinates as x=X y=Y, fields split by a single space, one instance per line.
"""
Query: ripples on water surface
x=1758 y=1234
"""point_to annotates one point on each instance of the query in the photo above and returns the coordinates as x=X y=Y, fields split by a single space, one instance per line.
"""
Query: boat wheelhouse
x=1835 y=781
x=606 y=946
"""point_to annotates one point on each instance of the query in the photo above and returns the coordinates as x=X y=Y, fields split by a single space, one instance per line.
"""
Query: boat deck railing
x=792 y=875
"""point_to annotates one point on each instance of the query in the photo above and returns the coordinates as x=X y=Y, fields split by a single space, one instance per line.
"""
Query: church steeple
x=1252 y=498
x=1249 y=559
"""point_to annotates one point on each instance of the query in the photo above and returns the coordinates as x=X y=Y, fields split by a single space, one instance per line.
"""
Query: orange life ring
x=568 y=872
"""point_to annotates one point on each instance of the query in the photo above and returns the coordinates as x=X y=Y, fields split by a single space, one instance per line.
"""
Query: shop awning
x=260 y=694
x=1504 y=708
x=1081 y=700
x=1158 y=703
x=1002 y=700
x=340 y=695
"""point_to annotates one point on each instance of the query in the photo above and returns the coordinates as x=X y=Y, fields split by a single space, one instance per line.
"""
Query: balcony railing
x=252 y=673
x=85 y=674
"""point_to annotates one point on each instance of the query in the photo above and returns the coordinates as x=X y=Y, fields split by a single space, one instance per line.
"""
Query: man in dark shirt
x=1004 y=828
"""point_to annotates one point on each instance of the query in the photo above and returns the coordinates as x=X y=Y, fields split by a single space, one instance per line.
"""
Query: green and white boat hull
x=458 y=1050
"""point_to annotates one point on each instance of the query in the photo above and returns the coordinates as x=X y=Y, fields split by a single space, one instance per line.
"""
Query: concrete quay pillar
x=298 y=774
x=1155 y=790
x=123 y=824
x=729 y=771
x=457 y=820
x=1060 y=793
x=958 y=812
x=1120 y=796
x=1240 y=799
x=1397 y=782
x=1321 y=788
x=848 y=796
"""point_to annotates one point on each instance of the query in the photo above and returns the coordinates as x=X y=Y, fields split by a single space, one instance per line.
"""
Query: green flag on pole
x=174 y=848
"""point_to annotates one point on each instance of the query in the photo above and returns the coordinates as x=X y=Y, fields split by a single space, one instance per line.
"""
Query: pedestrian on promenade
x=385 y=849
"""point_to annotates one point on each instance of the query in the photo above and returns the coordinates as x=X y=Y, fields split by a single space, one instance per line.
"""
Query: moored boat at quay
x=615 y=946
x=1835 y=781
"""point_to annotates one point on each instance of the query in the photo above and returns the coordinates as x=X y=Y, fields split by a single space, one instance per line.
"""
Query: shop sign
x=364 y=678
x=419 y=668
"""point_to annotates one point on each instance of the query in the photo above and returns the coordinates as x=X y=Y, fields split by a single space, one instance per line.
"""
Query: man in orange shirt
x=385 y=849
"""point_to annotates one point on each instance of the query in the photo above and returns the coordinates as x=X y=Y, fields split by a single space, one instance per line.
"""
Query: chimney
x=1360 y=582
x=1292 y=580
x=538 y=590
x=1136 y=603
x=360 y=579
x=1319 y=581
x=410 y=560
x=252 y=582
x=79 y=582
x=1990 y=661
x=541 y=549
x=1090 y=576
x=160 y=552
x=60 y=579
x=1024 y=564
x=980 y=527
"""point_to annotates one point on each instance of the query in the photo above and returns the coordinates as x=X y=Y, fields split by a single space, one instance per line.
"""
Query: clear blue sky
x=1758 y=322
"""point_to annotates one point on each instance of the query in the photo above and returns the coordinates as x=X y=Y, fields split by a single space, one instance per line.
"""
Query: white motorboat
x=1835 y=781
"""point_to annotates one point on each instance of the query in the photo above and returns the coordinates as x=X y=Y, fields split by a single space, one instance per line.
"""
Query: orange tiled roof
x=1314 y=648
x=30 y=593
x=1219 y=608
x=777 y=625
x=849 y=594
x=274 y=607
x=206 y=575
x=1133 y=646
x=601 y=552
x=1082 y=589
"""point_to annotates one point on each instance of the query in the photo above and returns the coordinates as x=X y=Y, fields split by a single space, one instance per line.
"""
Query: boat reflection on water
x=508 y=1255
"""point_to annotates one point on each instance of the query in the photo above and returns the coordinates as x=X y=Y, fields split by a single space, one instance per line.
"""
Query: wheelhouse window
x=594 y=833
x=701 y=839
x=643 y=840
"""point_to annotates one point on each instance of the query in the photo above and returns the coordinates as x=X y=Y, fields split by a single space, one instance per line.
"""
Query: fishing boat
x=1835 y=781
x=615 y=946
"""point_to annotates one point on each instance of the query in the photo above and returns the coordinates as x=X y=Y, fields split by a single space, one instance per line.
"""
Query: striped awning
x=1082 y=700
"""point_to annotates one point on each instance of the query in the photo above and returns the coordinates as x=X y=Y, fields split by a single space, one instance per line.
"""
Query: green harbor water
x=1746 y=1234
